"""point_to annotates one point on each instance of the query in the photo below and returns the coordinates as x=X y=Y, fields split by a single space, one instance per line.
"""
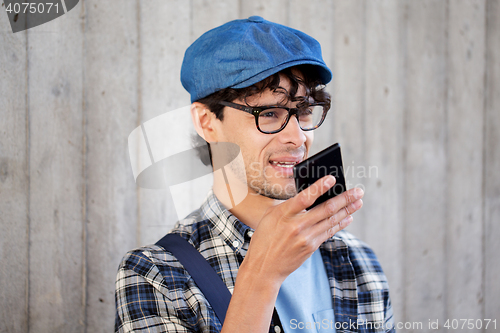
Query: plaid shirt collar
x=227 y=226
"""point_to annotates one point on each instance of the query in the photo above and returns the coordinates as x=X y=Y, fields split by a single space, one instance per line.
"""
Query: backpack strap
x=205 y=277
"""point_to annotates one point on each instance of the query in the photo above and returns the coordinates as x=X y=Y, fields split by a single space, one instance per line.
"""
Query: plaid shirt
x=154 y=293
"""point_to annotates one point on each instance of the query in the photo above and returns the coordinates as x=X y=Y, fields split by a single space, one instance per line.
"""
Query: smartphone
x=326 y=162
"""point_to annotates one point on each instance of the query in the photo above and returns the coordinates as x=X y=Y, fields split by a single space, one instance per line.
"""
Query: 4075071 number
x=31 y=7
x=470 y=324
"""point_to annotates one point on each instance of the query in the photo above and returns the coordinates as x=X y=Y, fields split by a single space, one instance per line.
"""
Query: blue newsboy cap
x=243 y=52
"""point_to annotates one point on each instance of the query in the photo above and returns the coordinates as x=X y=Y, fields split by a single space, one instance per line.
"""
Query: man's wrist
x=256 y=278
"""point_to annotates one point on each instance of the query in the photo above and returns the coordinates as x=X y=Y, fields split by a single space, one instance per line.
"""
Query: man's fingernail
x=330 y=181
x=358 y=194
x=347 y=220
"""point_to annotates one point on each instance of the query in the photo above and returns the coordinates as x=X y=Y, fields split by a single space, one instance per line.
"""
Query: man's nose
x=292 y=133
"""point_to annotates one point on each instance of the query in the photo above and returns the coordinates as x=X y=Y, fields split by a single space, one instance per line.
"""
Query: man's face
x=269 y=158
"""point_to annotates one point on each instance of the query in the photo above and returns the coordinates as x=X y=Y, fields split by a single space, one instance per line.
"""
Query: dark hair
x=302 y=75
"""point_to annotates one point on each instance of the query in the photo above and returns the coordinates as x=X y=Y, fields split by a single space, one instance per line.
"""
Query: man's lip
x=285 y=159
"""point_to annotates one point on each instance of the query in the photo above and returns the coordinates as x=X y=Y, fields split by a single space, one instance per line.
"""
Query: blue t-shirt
x=304 y=302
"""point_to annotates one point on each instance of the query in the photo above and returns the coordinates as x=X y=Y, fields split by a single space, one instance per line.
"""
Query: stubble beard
x=262 y=186
x=259 y=184
x=256 y=176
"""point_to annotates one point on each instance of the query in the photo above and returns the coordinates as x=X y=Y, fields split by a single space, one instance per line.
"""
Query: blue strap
x=205 y=277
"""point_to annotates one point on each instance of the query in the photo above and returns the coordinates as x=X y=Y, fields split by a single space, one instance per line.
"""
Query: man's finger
x=335 y=205
x=328 y=228
x=307 y=197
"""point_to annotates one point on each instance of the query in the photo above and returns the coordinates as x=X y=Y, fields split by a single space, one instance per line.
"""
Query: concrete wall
x=416 y=108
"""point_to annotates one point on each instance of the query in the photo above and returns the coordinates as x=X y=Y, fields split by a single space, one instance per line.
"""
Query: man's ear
x=203 y=120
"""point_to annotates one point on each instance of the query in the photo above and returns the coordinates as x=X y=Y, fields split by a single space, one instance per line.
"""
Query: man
x=259 y=85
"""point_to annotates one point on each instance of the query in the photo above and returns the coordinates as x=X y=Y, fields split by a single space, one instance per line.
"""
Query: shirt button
x=250 y=233
x=236 y=244
x=277 y=329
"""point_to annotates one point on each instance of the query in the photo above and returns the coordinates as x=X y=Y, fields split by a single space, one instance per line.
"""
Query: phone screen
x=326 y=162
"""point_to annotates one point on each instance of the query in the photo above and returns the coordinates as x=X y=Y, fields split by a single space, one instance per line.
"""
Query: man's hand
x=288 y=234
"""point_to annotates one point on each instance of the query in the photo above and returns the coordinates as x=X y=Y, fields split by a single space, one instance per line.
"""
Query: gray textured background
x=416 y=97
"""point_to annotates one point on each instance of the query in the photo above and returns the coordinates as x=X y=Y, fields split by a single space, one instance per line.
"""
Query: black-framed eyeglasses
x=273 y=119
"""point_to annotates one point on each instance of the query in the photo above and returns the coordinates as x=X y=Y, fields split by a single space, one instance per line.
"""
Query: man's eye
x=269 y=114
